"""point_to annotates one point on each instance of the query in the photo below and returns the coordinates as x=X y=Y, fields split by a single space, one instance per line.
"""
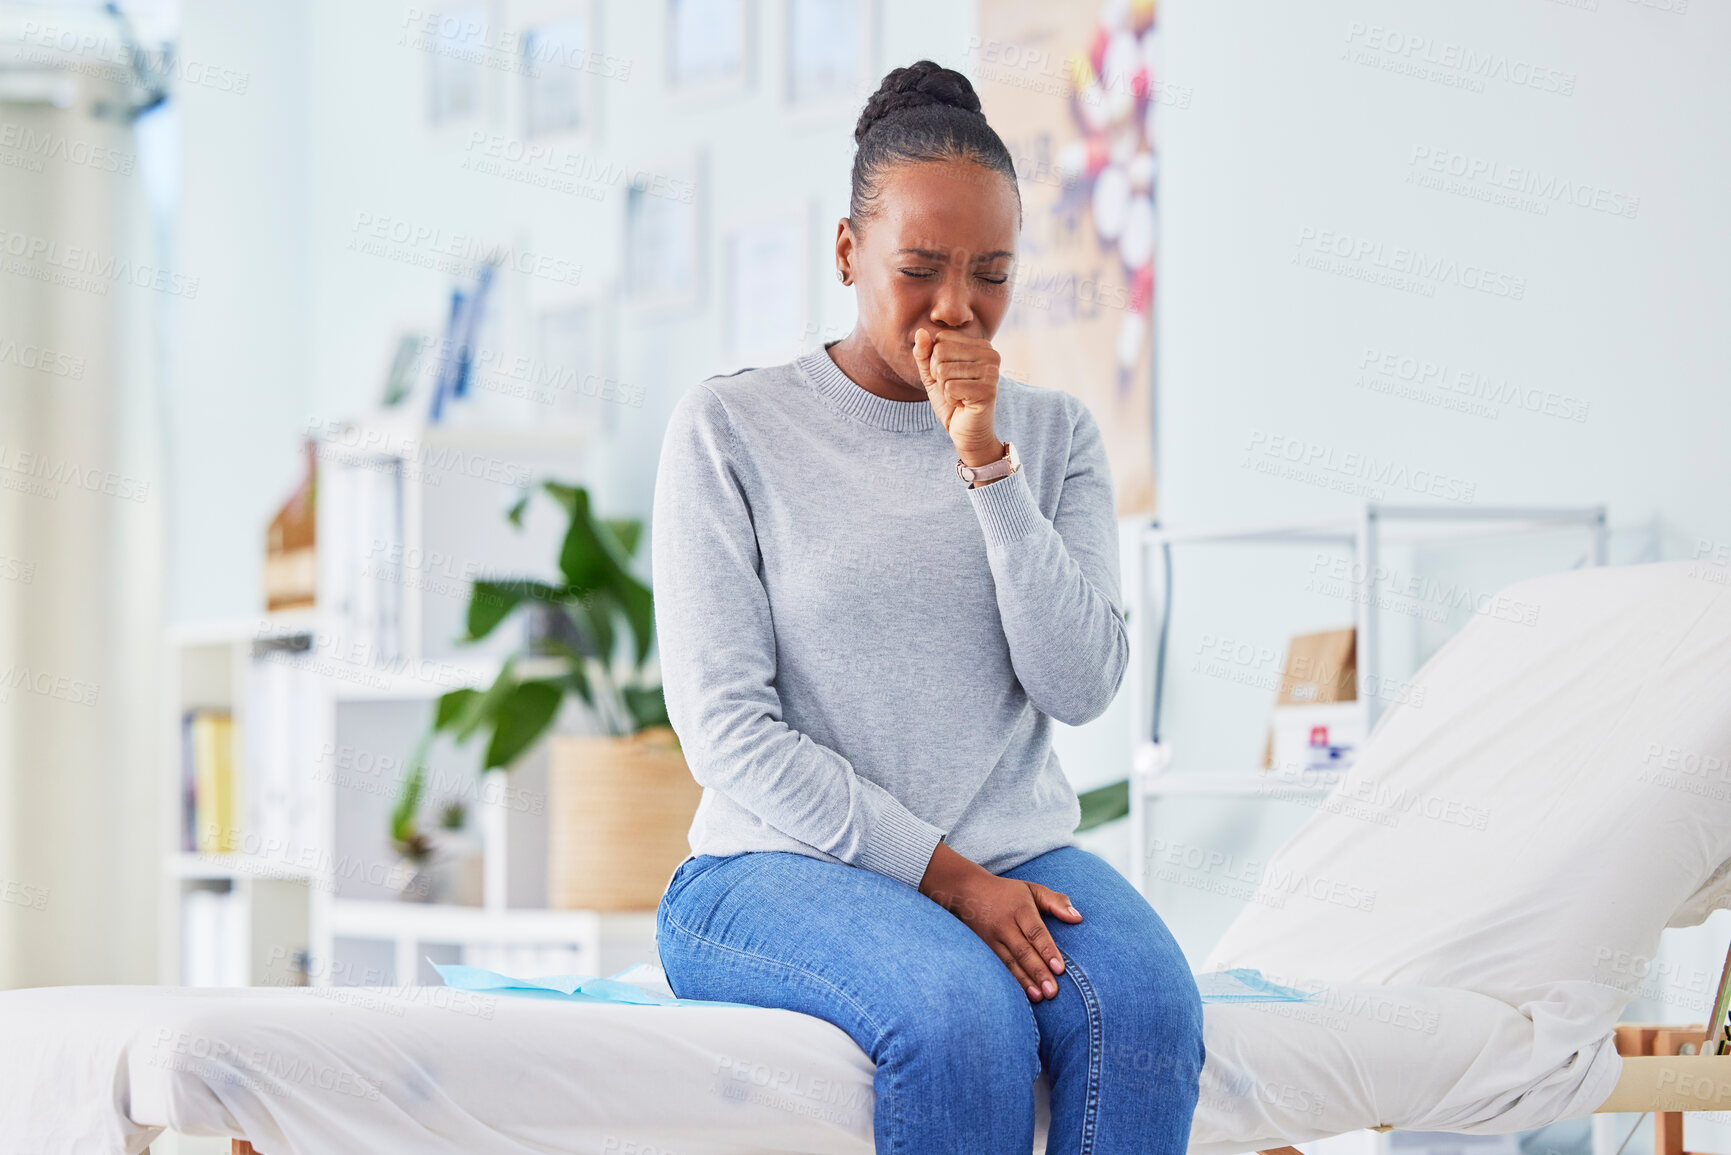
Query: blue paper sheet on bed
x=1240 y=985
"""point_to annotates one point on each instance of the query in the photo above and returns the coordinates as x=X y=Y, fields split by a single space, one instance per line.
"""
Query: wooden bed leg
x=242 y=1147
x=1667 y=1133
x=1296 y=1151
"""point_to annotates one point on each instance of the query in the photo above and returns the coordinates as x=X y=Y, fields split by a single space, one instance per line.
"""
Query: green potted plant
x=590 y=636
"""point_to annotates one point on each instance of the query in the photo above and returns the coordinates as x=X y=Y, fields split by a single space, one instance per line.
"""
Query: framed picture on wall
x=664 y=235
x=767 y=291
x=570 y=348
x=456 y=63
x=709 y=46
x=560 y=65
x=829 y=50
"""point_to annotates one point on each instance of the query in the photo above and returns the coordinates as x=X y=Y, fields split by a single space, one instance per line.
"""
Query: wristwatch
x=992 y=470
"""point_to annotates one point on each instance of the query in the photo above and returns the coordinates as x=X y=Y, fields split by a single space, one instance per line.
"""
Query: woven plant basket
x=618 y=812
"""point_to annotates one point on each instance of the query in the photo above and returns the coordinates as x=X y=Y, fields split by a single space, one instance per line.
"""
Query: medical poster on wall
x=1073 y=90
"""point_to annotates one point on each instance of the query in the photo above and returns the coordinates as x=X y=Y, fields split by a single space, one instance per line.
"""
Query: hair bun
x=921 y=83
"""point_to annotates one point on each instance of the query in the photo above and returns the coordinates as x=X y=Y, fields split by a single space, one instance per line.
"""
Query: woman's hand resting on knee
x=1005 y=913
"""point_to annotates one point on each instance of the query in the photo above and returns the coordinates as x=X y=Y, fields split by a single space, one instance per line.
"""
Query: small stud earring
x=841 y=275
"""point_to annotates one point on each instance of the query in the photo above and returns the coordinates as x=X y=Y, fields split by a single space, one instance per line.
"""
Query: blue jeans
x=956 y=1042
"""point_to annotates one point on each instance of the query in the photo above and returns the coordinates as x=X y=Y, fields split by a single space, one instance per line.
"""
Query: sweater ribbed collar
x=856 y=401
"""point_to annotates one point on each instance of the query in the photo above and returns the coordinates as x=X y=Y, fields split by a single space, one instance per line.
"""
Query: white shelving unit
x=313 y=908
x=207 y=667
x=1365 y=535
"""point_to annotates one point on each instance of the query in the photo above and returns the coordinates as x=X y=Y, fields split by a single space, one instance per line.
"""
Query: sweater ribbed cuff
x=1006 y=509
x=901 y=845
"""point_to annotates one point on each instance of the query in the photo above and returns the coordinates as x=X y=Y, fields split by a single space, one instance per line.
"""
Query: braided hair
x=919 y=113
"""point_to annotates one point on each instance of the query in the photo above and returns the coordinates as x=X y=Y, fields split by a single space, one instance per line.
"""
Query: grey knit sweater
x=861 y=654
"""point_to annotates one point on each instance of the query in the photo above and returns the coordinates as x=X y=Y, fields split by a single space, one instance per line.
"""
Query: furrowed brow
x=936 y=255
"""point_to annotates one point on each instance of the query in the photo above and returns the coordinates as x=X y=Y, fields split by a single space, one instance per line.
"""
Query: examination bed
x=1470 y=910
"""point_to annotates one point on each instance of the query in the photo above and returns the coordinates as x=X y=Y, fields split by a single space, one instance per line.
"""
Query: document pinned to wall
x=829 y=50
x=708 y=45
x=664 y=234
x=456 y=64
x=558 y=74
x=768 y=289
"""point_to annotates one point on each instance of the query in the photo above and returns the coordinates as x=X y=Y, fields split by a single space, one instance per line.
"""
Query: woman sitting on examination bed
x=864 y=646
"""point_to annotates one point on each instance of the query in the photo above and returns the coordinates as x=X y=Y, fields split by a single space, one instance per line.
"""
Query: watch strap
x=992 y=470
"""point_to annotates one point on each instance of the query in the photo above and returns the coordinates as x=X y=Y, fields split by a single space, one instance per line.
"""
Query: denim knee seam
x=877 y=1028
x=1096 y=1045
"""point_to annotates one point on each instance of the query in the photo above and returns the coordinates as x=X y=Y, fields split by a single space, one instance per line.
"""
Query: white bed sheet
x=1421 y=1058
x=1504 y=855
x=98 y=1070
x=436 y=1070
